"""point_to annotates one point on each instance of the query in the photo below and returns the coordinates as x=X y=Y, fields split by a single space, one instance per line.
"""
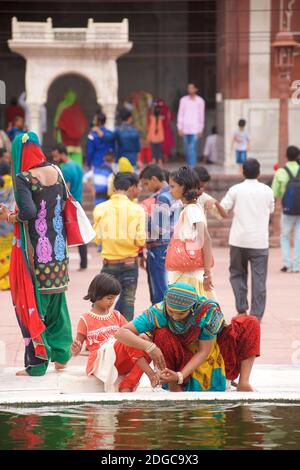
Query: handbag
x=178 y=258
x=78 y=227
x=183 y=256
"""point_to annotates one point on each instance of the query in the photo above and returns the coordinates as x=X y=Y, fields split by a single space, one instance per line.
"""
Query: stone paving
x=280 y=343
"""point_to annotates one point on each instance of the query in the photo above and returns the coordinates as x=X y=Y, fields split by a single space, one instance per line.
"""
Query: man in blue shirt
x=18 y=128
x=100 y=141
x=162 y=216
x=98 y=179
x=73 y=175
x=127 y=138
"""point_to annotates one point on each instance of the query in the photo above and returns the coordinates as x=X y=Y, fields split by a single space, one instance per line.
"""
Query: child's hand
x=155 y=382
x=76 y=347
x=209 y=204
x=208 y=283
x=3 y=212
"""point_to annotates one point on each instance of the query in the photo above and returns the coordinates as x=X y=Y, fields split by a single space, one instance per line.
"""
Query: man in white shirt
x=190 y=122
x=252 y=203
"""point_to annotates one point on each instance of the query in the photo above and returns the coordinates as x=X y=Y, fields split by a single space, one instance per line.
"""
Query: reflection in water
x=152 y=426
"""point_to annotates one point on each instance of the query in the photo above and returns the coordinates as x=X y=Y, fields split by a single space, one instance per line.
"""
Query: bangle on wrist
x=180 y=378
x=150 y=348
x=206 y=275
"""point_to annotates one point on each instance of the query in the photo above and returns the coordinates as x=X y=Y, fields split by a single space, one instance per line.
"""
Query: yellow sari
x=6 y=234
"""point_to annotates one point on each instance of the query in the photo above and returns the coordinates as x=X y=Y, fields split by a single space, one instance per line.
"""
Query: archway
x=53 y=52
x=86 y=96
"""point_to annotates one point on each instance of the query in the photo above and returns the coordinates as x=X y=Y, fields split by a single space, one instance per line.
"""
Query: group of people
x=183 y=333
x=143 y=132
x=181 y=341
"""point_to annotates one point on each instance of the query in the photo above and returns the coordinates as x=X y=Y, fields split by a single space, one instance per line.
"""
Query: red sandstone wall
x=233 y=48
x=295 y=26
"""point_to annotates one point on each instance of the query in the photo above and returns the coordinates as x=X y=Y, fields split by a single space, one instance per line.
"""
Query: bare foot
x=175 y=388
x=22 y=372
x=59 y=366
x=244 y=387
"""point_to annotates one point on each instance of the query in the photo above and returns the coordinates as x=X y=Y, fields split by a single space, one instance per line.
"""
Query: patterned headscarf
x=180 y=297
x=183 y=298
x=26 y=153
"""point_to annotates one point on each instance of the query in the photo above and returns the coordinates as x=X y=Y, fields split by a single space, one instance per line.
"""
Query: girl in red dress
x=117 y=366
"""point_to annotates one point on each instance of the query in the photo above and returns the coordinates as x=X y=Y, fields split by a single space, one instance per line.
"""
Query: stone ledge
x=280 y=383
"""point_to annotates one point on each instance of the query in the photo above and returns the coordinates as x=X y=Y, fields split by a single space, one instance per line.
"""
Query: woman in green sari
x=39 y=260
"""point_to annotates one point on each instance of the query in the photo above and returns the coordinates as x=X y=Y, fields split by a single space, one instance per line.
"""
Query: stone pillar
x=34 y=113
x=107 y=89
x=109 y=110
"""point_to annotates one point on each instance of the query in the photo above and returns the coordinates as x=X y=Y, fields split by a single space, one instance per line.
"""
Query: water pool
x=168 y=426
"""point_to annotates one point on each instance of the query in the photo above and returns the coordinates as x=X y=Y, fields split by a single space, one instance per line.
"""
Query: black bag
x=291 y=198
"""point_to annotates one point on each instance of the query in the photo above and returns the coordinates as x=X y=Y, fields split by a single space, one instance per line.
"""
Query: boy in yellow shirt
x=120 y=229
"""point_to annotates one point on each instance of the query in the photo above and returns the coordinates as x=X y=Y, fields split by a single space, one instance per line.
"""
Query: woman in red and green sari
x=193 y=348
x=39 y=260
x=70 y=124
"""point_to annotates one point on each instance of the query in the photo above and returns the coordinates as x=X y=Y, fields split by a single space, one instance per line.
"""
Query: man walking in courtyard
x=190 y=122
x=252 y=203
x=282 y=189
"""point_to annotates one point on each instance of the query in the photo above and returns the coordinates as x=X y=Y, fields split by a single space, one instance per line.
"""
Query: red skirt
x=239 y=341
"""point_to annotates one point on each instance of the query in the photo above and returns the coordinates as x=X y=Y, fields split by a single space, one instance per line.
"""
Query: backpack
x=291 y=198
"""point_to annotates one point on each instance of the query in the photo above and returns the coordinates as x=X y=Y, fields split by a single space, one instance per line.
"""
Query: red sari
x=237 y=342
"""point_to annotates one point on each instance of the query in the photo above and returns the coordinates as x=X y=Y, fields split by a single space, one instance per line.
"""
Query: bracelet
x=180 y=378
x=150 y=348
x=206 y=276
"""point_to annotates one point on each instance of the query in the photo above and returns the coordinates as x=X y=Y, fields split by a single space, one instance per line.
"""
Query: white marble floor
x=272 y=382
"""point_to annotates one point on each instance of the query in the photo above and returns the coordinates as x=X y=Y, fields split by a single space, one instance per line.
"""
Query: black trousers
x=83 y=256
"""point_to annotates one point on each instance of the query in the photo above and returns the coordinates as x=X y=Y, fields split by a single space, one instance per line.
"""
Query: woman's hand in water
x=158 y=358
x=168 y=376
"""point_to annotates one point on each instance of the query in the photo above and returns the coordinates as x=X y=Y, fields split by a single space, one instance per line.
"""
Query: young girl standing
x=191 y=229
x=109 y=359
x=156 y=135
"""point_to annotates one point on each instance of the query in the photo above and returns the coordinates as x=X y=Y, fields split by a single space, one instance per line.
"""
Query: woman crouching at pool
x=193 y=348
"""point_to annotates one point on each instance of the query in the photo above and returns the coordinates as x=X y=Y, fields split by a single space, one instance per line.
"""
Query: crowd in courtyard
x=181 y=341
